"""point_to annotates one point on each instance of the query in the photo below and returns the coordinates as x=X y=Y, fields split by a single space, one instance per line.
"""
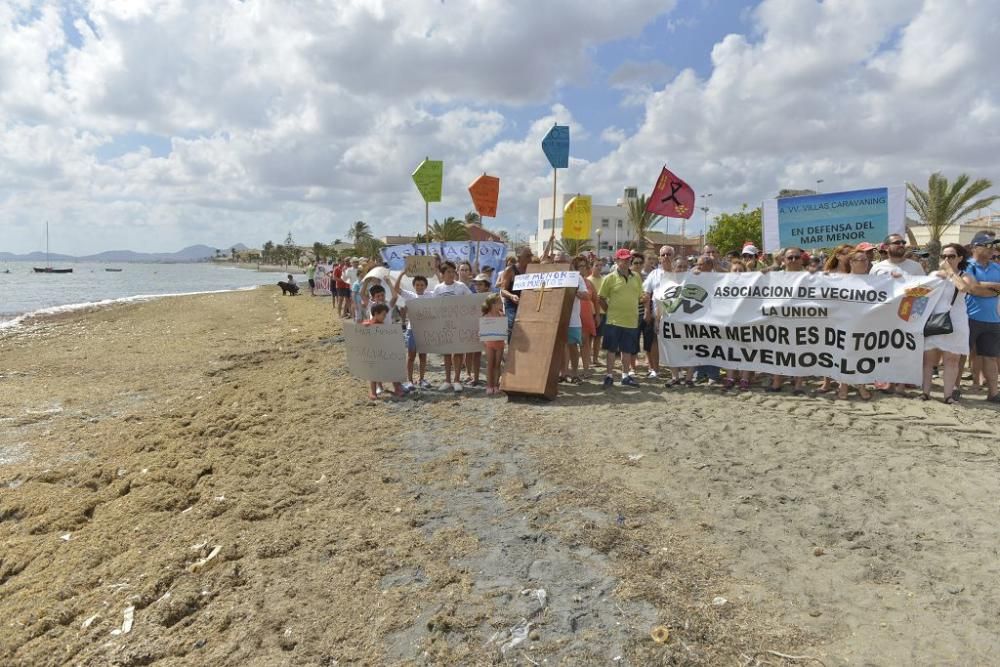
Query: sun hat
x=864 y=246
x=750 y=249
x=623 y=253
x=481 y=278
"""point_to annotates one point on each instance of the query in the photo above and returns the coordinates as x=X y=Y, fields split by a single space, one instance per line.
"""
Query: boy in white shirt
x=450 y=287
x=419 y=292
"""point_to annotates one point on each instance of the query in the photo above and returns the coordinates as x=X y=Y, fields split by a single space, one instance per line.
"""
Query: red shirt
x=338 y=271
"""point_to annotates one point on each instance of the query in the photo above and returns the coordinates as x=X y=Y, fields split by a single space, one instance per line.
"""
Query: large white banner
x=854 y=329
x=376 y=353
x=447 y=324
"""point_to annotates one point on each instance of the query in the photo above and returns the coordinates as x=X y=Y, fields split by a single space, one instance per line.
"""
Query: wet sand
x=208 y=463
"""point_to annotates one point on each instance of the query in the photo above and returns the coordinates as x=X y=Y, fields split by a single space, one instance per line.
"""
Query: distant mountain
x=194 y=253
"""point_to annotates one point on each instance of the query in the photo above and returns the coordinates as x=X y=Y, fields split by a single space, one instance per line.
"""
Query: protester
x=574 y=338
x=750 y=256
x=737 y=266
x=649 y=286
x=473 y=360
x=646 y=330
x=946 y=349
x=896 y=264
x=379 y=311
x=839 y=260
x=982 y=304
x=717 y=262
x=588 y=306
x=792 y=262
x=595 y=279
x=419 y=292
x=619 y=297
x=507 y=291
x=465 y=275
x=450 y=287
x=493 y=308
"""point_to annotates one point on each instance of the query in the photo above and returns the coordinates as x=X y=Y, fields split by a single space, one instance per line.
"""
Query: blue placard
x=827 y=220
x=556 y=146
x=491 y=253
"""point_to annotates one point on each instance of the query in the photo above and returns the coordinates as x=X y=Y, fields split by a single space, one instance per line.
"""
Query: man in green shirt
x=619 y=296
x=311 y=275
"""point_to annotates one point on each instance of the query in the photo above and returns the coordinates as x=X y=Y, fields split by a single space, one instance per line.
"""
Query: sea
x=24 y=293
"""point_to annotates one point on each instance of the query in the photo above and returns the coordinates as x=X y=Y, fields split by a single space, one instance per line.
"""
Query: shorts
x=344 y=292
x=602 y=321
x=312 y=283
x=620 y=339
x=575 y=336
x=511 y=312
x=648 y=330
x=985 y=338
x=494 y=345
x=411 y=341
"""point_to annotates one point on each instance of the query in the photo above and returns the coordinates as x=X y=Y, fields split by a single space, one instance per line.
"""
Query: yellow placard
x=577 y=218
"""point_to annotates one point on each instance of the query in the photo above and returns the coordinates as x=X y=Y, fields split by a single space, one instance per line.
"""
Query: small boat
x=114 y=270
x=48 y=266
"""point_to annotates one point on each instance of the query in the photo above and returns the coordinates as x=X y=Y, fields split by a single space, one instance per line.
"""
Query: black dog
x=288 y=288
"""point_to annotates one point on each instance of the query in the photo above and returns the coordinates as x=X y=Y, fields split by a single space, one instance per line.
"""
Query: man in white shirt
x=571 y=358
x=649 y=286
x=896 y=264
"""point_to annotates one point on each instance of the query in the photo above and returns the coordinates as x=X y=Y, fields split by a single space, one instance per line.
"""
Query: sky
x=152 y=125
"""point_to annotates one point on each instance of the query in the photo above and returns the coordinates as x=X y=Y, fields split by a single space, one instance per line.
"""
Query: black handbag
x=939 y=324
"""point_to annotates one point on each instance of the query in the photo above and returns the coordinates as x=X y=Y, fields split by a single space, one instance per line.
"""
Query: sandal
x=925 y=396
x=773 y=390
x=951 y=400
x=744 y=385
x=575 y=380
x=864 y=394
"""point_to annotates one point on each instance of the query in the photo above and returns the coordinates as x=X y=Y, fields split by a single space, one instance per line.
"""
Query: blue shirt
x=983 y=308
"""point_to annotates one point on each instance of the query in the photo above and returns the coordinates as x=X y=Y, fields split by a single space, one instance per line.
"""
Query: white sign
x=552 y=279
x=492 y=329
x=854 y=329
x=447 y=324
x=376 y=353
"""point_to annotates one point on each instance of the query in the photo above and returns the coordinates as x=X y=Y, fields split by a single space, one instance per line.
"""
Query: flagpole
x=555 y=176
x=427 y=228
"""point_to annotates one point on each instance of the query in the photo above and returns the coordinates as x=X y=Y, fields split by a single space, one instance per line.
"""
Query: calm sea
x=22 y=291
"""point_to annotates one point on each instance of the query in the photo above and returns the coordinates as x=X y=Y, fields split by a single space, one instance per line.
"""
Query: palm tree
x=359 y=231
x=640 y=220
x=943 y=205
x=268 y=250
x=573 y=247
x=451 y=229
x=473 y=218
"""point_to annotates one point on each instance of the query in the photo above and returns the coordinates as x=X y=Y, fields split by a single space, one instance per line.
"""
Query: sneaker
x=444 y=386
x=408 y=387
x=378 y=391
x=631 y=374
x=608 y=381
x=457 y=386
x=652 y=375
x=424 y=384
x=629 y=381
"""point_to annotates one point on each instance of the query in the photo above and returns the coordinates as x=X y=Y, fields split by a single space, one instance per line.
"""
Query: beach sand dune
x=205 y=467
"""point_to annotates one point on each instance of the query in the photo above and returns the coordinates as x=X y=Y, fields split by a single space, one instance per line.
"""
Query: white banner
x=447 y=324
x=855 y=329
x=550 y=279
x=376 y=353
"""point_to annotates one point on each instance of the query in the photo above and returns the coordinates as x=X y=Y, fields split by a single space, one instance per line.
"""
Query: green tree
x=573 y=247
x=268 y=252
x=320 y=251
x=451 y=229
x=729 y=231
x=473 y=218
x=359 y=231
x=640 y=220
x=942 y=205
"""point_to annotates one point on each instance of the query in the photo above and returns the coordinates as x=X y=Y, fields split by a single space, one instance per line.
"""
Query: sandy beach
x=198 y=480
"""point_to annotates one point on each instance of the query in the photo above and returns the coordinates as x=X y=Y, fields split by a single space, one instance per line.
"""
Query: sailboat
x=48 y=265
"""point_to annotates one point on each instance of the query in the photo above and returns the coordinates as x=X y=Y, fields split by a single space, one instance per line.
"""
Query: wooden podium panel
x=537 y=342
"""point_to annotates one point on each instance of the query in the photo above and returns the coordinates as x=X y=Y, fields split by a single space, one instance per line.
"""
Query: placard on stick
x=376 y=353
x=538 y=338
x=421 y=265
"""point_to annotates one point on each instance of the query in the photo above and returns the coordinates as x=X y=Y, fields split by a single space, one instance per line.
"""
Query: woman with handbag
x=946 y=334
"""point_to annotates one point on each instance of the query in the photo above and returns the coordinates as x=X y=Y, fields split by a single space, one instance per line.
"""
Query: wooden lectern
x=538 y=340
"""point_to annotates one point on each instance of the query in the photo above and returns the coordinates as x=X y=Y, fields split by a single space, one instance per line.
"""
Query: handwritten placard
x=485 y=192
x=376 y=353
x=421 y=265
x=551 y=279
x=447 y=324
x=555 y=145
x=492 y=329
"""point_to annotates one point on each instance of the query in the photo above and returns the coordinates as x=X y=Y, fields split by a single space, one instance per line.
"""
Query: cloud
x=631 y=75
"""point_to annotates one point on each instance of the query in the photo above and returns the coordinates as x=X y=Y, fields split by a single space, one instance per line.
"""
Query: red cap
x=623 y=253
x=864 y=246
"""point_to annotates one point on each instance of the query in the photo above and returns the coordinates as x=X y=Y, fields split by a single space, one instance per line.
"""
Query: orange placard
x=485 y=192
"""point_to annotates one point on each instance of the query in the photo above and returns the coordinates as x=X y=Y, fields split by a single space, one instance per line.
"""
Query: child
x=449 y=287
x=372 y=296
x=419 y=292
x=378 y=313
x=473 y=360
x=492 y=307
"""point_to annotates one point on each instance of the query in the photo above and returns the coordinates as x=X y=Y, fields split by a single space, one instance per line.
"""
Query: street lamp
x=599 y=230
x=704 y=208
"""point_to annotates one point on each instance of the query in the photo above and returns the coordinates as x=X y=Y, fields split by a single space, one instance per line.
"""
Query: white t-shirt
x=581 y=288
x=907 y=267
x=652 y=284
x=454 y=289
x=407 y=295
x=349 y=275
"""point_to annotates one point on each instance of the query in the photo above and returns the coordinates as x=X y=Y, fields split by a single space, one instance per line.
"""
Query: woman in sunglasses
x=951 y=346
x=793 y=262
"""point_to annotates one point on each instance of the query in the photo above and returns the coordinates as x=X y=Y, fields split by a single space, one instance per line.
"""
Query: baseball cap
x=623 y=253
x=750 y=249
x=864 y=246
x=983 y=238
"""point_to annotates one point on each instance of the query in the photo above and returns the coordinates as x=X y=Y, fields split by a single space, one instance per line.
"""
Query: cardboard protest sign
x=447 y=324
x=421 y=265
x=827 y=220
x=550 y=279
x=854 y=329
x=555 y=145
x=376 y=353
x=485 y=192
x=492 y=329
x=577 y=218
x=427 y=178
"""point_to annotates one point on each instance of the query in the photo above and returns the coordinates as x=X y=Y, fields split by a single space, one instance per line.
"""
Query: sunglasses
x=793 y=258
x=899 y=242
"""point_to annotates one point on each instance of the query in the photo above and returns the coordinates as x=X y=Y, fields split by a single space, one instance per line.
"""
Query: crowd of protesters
x=614 y=311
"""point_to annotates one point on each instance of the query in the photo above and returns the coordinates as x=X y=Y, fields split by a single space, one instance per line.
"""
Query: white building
x=610 y=229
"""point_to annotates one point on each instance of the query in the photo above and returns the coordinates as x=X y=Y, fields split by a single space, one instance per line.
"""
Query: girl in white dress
x=945 y=350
